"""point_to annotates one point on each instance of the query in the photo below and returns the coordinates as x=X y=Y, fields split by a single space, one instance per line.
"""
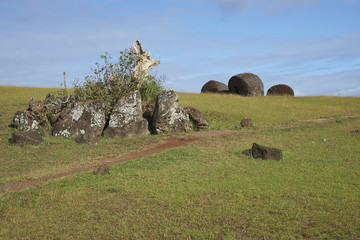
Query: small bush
x=113 y=80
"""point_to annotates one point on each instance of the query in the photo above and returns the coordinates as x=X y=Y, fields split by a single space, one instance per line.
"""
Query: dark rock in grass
x=266 y=153
x=199 y=120
x=357 y=131
x=247 y=122
x=103 y=169
x=169 y=116
x=280 y=90
x=246 y=84
x=126 y=119
x=213 y=86
x=31 y=137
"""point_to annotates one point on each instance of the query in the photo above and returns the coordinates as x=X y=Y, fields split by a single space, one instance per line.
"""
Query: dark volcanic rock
x=169 y=116
x=198 y=119
x=31 y=137
x=266 y=153
x=280 y=90
x=87 y=137
x=213 y=86
x=127 y=118
x=86 y=117
x=246 y=84
x=247 y=122
x=103 y=169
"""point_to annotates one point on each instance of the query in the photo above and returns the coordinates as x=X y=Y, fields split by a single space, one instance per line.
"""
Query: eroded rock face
x=280 y=90
x=213 y=86
x=86 y=117
x=169 y=116
x=246 y=84
x=31 y=137
x=198 y=119
x=126 y=119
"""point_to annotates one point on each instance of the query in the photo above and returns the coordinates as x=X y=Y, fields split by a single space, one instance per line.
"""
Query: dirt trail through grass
x=172 y=142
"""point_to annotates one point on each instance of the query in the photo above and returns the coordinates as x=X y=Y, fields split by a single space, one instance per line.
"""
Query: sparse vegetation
x=205 y=190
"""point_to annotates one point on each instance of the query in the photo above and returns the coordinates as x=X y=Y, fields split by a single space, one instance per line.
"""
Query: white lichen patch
x=77 y=112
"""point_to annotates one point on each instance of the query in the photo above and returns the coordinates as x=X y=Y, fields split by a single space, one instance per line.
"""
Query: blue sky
x=311 y=45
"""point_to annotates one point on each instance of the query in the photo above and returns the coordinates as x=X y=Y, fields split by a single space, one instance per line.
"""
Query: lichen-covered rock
x=246 y=84
x=213 y=86
x=81 y=117
x=31 y=137
x=57 y=101
x=26 y=120
x=198 y=119
x=169 y=116
x=280 y=90
x=126 y=119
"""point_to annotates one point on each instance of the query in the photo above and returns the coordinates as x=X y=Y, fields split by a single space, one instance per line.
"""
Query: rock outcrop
x=197 y=118
x=246 y=84
x=213 y=86
x=168 y=115
x=87 y=117
x=126 y=119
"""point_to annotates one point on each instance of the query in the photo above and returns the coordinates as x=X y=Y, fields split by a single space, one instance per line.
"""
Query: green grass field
x=204 y=190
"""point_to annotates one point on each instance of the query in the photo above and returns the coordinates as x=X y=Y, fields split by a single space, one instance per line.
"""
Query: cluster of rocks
x=86 y=120
x=246 y=84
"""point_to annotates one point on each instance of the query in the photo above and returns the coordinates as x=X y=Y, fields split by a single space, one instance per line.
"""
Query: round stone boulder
x=246 y=84
x=280 y=90
x=213 y=86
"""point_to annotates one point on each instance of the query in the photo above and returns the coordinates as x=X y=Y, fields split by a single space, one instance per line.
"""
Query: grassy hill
x=204 y=190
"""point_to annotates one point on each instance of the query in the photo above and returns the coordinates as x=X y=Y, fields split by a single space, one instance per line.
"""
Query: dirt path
x=172 y=142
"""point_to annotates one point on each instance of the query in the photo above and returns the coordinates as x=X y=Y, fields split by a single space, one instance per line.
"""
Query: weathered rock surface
x=87 y=137
x=127 y=119
x=213 y=86
x=246 y=84
x=266 y=153
x=198 y=119
x=280 y=90
x=103 y=169
x=26 y=120
x=31 y=137
x=247 y=122
x=169 y=116
x=86 y=117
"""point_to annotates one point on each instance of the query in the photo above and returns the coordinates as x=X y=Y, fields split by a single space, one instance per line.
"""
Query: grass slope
x=205 y=190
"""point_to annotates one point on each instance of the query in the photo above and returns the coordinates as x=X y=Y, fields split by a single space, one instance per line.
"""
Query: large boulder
x=168 y=115
x=198 y=119
x=126 y=119
x=31 y=137
x=213 y=86
x=246 y=84
x=280 y=90
x=87 y=117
